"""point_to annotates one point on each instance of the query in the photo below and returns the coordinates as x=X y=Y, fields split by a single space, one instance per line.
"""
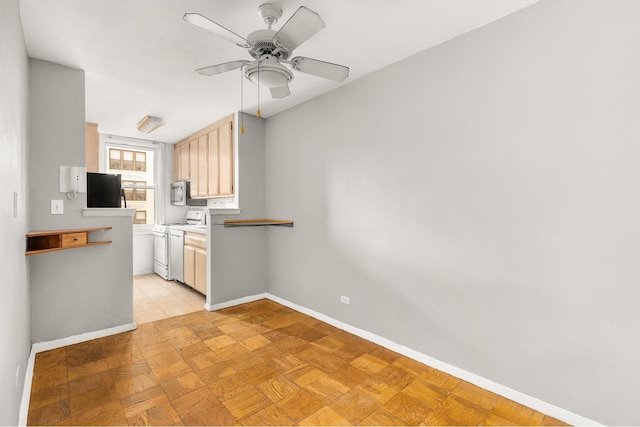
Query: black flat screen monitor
x=103 y=190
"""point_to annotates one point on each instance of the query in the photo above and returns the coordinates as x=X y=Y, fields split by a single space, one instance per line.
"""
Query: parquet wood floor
x=256 y=364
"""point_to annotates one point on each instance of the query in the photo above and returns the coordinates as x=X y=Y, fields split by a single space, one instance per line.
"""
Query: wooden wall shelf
x=257 y=223
x=39 y=242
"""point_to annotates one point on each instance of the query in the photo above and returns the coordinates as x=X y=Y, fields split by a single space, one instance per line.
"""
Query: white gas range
x=168 y=242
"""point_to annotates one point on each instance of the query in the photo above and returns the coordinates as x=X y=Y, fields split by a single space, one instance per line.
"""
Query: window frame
x=124 y=143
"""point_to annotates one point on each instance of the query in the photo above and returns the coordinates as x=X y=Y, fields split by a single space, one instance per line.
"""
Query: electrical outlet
x=344 y=300
x=57 y=207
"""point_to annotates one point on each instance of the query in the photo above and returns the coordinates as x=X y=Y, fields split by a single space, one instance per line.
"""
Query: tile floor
x=155 y=298
x=255 y=364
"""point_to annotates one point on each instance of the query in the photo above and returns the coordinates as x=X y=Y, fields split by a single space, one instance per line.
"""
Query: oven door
x=161 y=248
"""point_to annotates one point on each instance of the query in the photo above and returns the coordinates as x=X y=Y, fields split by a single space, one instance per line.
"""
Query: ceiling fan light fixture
x=270 y=75
x=149 y=123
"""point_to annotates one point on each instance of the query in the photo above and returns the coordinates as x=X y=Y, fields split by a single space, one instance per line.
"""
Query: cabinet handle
x=75 y=239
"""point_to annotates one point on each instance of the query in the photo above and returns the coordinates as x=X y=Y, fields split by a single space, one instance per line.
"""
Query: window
x=136 y=162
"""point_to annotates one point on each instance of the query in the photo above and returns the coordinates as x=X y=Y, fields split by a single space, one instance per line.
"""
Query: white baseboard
x=26 y=390
x=50 y=345
x=75 y=339
x=509 y=393
x=243 y=300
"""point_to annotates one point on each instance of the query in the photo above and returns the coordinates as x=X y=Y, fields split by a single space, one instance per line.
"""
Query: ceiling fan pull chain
x=258 y=114
x=241 y=102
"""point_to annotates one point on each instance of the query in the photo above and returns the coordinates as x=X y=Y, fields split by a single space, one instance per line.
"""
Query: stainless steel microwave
x=181 y=195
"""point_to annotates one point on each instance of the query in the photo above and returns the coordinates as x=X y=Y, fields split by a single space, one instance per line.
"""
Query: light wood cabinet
x=221 y=161
x=213 y=177
x=202 y=167
x=209 y=160
x=189 y=265
x=193 y=168
x=181 y=161
x=195 y=261
x=201 y=271
x=91 y=146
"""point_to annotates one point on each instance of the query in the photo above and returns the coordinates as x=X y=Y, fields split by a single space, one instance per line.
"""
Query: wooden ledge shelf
x=257 y=223
x=39 y=242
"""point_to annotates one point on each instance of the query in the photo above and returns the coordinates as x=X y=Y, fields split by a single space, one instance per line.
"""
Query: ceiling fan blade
x=221 y=68
x=280 y=92
x=215 y=29
x=318 y=68
x=303 y=24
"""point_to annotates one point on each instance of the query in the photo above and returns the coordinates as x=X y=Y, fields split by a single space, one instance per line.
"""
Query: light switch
x=57 y=207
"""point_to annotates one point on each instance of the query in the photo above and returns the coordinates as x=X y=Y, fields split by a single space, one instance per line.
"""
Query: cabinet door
x=225 y=160
x=176 y=164
x=212 y=159
x=193 y=167
x=201 y=270
x=92 y=146
x=190 y=265
x=202 y=166
x=181 y=162
x=184 y=161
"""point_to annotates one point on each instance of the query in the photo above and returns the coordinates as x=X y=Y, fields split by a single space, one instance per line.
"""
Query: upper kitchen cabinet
x=92 y=146
x=181 y=161
x=225 y=160
x=207 y=155
x=193 y=168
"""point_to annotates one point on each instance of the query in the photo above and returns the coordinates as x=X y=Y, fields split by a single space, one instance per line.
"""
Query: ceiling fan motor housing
x=262 y=44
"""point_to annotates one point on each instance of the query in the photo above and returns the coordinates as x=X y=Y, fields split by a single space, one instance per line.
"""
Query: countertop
x=202 y=229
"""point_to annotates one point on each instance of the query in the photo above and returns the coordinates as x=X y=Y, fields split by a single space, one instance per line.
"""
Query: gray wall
x=15 y=337
x=78 y=290
x=478 y=202
x=238 y=256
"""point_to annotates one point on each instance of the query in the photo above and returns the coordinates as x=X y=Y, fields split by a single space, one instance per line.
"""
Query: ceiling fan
x=271 y=49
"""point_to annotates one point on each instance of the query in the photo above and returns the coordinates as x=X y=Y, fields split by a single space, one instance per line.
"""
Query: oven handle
x=159 y=234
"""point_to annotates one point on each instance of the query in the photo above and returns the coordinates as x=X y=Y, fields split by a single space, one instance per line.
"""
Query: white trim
x=87 y=336
x=50 y=345
x=142 y=229
x=104 y=212
x=509 y=393
x=130 y=142
x=223 y=211
x=243 y=300
x=26 y=391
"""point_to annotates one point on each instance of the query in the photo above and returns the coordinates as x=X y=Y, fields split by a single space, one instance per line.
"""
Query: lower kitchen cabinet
x=189 y=265
x=201 y=271
x=195 y=261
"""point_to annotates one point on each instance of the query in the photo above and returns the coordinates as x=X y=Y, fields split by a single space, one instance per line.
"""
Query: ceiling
x=139 y=56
